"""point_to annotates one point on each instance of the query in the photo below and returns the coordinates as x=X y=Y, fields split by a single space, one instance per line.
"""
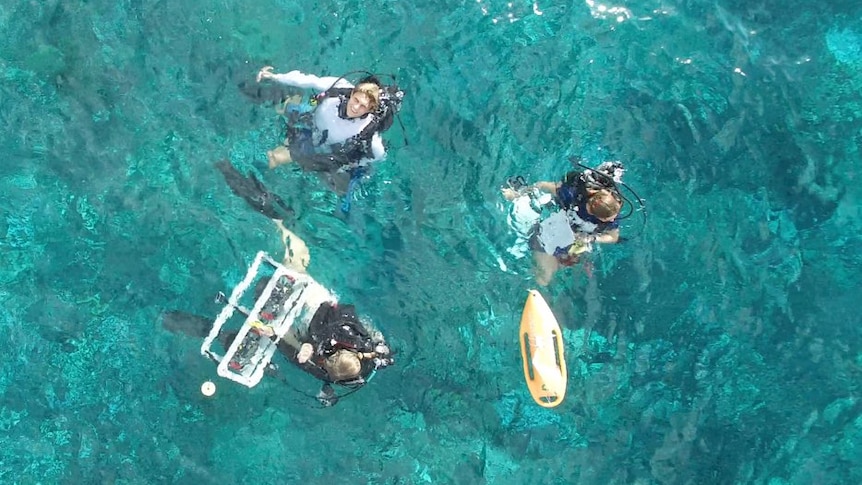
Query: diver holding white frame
x=292 y=313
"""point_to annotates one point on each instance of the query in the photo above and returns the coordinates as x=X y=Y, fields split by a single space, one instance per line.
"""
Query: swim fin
x=193 y=325
x=187 y=323
x=267 y=93
x=254 y=192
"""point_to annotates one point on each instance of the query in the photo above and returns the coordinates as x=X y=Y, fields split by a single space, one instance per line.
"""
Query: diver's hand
x=509 y=193
x=585 y=238
x=578 y=248
x=263 y=329
x=265 y=73
x=381 y=349
x=305 y=352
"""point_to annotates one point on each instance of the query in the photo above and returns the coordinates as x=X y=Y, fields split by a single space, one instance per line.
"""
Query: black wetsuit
x=334 y=327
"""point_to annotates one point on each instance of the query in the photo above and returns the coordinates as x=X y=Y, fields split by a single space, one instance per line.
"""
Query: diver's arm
x=511 y=194
x=305 y=81
x=549 y=187
x=292 y=341
x=611 y=236
x=378 y=151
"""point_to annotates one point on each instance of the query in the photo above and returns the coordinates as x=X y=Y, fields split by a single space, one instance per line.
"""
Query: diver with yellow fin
x=542 y=352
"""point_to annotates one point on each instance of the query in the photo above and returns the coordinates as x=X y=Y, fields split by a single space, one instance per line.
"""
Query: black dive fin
x=187 y=323
x=254 y=192
x=266 y=93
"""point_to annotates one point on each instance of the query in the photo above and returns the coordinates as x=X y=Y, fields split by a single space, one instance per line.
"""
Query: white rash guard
x=326 y=118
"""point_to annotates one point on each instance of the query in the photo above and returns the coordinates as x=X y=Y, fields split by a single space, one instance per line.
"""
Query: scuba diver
x=587 y=210
x=299 y=317
x=335 y=345
x=337 y=131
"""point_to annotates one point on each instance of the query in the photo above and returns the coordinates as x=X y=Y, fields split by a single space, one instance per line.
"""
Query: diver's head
x=343 y=365
x=364 y=99
x=603 y=204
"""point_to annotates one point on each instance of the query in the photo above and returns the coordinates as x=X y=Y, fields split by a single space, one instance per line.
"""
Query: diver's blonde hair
x=372 y=91
x=343 y=365
x=604 y=205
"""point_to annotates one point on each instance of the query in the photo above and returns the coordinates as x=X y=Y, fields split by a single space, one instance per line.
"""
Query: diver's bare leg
x=279 y=155
x=296 y=255
x=545 y=267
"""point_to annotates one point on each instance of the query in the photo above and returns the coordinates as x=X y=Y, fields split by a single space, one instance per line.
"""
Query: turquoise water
x=721 y=345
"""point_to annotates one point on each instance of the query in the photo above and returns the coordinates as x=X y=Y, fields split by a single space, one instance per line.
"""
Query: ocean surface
x=719 y=344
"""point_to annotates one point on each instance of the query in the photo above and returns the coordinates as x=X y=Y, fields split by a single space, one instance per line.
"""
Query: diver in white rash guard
x=336 y=131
